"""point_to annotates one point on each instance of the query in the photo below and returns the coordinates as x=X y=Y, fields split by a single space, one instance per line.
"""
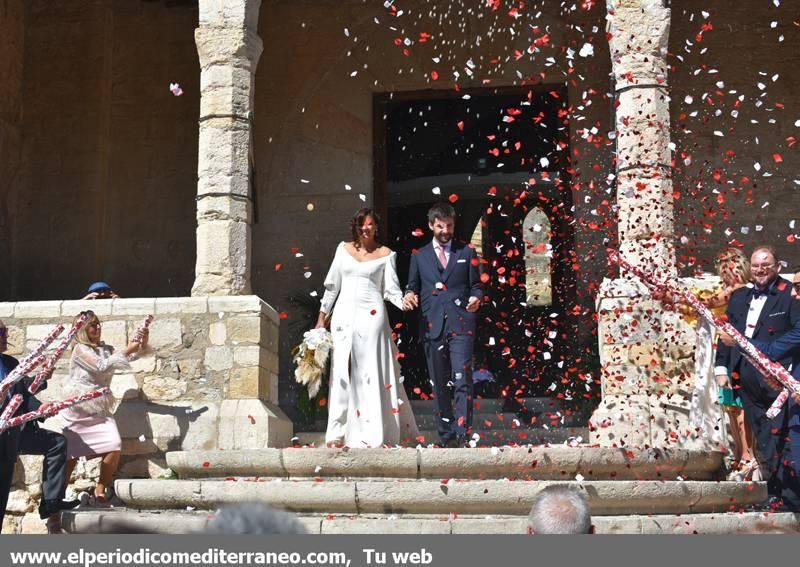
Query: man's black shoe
x=50 y=507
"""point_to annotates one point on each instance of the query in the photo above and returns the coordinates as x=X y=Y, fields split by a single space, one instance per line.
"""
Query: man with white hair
x=560 y=510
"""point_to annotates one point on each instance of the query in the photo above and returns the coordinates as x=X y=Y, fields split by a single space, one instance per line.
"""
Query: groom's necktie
x=442 y=257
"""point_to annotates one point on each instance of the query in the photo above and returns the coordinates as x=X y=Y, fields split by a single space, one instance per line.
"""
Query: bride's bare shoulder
x=385 y=251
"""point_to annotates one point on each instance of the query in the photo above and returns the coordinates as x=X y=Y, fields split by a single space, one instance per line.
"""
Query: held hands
x=322 y=321
x=722 y=381
x=473 y=305
x=410 y=301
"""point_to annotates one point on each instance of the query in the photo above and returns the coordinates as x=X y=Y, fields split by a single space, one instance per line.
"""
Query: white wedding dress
x=367 y=403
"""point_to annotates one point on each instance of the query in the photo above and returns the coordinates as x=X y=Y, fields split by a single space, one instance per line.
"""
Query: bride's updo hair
x=358 y=220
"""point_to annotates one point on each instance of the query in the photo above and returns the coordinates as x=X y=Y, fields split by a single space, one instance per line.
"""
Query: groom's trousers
x=450 y=366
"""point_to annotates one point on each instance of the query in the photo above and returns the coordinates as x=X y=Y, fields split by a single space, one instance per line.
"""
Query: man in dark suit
x=444 y=279
x=30 y=439
x=763 y=313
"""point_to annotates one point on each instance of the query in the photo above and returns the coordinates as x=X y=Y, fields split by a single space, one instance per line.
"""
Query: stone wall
x=208 y=381
x=734 y=107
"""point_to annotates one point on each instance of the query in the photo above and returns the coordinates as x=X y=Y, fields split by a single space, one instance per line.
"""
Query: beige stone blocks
x=165 y=334
x=133 y=306
x=37 y=310
x=181 y=305
x=219 y=358
x=7 y=309
x=246 y=329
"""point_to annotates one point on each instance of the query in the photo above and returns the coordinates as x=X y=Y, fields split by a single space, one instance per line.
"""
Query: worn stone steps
x=526 y=463
x=486 y=437
x=178 y=522
x=367 y=496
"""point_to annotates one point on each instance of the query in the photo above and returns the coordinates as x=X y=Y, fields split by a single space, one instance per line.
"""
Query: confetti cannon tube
x=137 y=336
x=11 y=408
x=775 y=375
x=22 y=369
x=51 y=362
x=31 y=361
x=52 y=410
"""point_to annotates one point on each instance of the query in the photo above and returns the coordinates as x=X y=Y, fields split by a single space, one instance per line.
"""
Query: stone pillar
x=229 y=49
x=643 y=399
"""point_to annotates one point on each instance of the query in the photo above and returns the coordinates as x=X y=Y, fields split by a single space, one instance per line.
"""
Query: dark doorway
x=502 y=157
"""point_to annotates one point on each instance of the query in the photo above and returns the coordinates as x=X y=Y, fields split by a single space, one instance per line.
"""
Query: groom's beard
x=443 y=239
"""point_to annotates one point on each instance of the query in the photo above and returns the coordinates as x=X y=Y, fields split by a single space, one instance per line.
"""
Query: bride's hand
x=321 y=322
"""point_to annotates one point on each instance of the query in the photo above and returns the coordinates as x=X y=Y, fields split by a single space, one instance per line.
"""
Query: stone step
x=366 y=496
x=486 y=437
x=121 y=520
x=527 y=463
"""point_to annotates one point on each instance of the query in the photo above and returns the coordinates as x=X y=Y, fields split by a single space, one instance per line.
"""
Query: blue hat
x=99 y=286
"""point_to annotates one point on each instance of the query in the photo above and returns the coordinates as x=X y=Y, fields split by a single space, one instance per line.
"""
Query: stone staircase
x=432 y=490
x=537 y=421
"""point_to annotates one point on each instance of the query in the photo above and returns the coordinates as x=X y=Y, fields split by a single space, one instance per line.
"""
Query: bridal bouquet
x=311 y=357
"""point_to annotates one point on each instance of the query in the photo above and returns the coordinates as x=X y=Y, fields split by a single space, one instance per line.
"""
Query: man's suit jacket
x=780 y=313
x=9 y=441
x=444 y=294
x=787 y=345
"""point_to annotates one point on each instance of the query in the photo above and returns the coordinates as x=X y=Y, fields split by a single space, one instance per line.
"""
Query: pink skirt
x=89 y=435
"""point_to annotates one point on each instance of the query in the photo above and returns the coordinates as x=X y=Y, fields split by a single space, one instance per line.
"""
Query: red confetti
x=453 y=198
x=434 y=75
x=283 y=315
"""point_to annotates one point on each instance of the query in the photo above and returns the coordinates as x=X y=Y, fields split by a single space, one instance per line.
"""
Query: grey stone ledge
x=606 y=498
x=535 y=463
x=184 y=521
x=241 y=304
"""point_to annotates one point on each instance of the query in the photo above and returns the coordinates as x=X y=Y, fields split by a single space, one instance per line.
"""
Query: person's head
x=796 y=285
x=364 y=226
x=442 y=222
x=253 y=518
x=764 y=265
x=560 y=510
x=90 y=333
x=101 y=289
x=3 y=337
x=732 y=266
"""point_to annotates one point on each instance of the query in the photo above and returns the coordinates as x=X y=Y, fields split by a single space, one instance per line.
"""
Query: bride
x=367 y=403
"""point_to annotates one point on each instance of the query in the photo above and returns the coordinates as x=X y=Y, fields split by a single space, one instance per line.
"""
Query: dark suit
x=787 y=344
x=30 y=439
x=779 y=314
x=9 y=441
x=447 y=329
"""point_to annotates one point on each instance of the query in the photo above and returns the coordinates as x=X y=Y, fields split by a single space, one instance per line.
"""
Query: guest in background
x=100 y=290
x=90 y=428
x=763 y=313
x=560 y=510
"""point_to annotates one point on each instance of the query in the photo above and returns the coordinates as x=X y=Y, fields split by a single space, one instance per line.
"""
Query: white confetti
x=587 y=50
x=175 y=89
x=436 y=191
x=362 y=197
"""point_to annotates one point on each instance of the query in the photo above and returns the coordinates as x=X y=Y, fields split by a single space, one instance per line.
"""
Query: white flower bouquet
x=311 y=358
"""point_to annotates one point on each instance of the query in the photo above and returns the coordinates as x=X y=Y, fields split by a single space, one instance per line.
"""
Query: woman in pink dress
x=90 y=428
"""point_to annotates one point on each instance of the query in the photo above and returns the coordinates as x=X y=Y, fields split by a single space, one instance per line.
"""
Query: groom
x=444 y=273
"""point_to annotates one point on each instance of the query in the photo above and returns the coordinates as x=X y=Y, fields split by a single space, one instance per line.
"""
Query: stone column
x=229 y=49
x=643 y=399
